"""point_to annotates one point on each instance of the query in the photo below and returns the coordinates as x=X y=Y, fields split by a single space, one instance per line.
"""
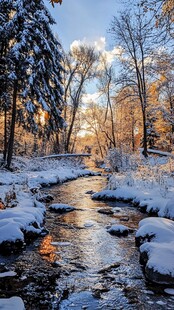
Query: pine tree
x=6 y=33
x=33 y=62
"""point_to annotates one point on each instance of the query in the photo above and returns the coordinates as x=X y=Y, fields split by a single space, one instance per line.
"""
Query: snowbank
x=148 y=200
x=19 y=223
x=151 y=189
x=12 y=303
x=155 y=237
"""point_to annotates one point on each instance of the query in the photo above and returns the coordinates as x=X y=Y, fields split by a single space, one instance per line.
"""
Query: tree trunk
x=57 y=143
x=144 y=134
x=99 y=145
x=12 y=128
x=70 y=131
x=133 y=136
x=5 y=135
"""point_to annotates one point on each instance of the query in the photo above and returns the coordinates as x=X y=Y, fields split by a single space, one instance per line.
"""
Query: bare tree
x=106 y=87
x=134 y=36
x=79 y=64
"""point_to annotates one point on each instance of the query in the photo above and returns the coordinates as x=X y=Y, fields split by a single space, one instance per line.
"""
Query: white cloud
x=87 y=98
x=75 y=44
x=110 y=56
x=100 y=46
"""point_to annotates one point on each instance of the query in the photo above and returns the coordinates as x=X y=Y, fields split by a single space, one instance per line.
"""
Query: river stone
x=61 y=208
x=158 y=277
x=90 y=192
x=119 y=230
x=108 y=268
x=124 y=219
x=139 y=240
x=106 y=211
x=98 y=289
x=157 y=269
x=9 y=247
x=45 y=198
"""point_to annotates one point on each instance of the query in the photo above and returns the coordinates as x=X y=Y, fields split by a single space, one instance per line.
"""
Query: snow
x=59 y=243
x=150 y=187
x=89 y=223
x=169 y=291
x=114 y=229
x=160 y=257
x=148 y=199
x=12 y=303
x=64 y=155
x=59 y=207
x=161 y=228
x=162 y=153
x=160 y=249
x=24 y=212
x=8 y=274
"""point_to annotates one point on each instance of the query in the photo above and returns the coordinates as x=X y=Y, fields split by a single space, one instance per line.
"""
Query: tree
x=134 y=36
x=94 y=117
x=106 y=86
x=34 y=71
x=6 y=34
x=163 y=14
x=79 y=70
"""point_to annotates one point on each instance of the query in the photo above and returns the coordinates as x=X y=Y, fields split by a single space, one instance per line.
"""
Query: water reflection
x=92 y=249
x=47 y=250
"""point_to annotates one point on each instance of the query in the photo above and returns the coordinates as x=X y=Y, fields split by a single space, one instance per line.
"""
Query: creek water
x=79 y=265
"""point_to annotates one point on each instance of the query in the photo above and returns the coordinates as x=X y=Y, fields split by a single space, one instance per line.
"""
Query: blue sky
x=79 y=19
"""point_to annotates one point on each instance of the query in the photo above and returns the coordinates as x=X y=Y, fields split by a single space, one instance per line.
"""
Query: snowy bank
x=148 y=200
x=22 y=215
x=21 y=223
x=150 y=188
x=155 y=237
x=12 y=303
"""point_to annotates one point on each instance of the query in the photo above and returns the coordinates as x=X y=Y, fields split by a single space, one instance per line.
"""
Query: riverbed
x=78 y=264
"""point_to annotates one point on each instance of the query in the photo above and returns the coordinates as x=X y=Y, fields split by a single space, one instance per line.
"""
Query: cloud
x=110 y=56
x=87 y=98
x=100 y=46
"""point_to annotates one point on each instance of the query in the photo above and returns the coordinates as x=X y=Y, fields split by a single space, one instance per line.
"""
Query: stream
x=79 y=265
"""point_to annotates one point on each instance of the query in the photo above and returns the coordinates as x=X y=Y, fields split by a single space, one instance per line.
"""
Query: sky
x=84 y=20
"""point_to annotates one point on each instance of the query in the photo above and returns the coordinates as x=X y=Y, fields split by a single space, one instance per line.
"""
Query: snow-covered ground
x=156 y=239
x=12 y=303
x=151 y=189
x=21 y=212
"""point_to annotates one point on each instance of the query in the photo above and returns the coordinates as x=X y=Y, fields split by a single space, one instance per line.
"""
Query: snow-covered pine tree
x=34 y=66
x=6 y=33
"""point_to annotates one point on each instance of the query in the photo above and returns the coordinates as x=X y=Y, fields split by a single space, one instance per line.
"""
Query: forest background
x=44 y=99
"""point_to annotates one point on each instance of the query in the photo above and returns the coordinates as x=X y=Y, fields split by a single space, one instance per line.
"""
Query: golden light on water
x=47 y=250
